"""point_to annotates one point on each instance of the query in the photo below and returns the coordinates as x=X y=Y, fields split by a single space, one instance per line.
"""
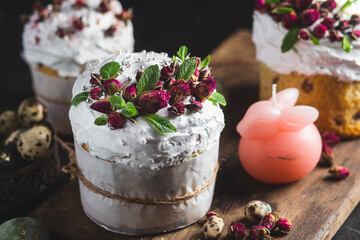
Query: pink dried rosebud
x=304 y=34
x=205 y=88
x=61 y=32
x=355 y=19
x=261 y=6
x=259 y=233
x=204 y=73
x=210 y=214
x=102 y=106
x=168 y=84
x=158 y=86
x=334 y=35
x=308 y=17
x=96 y=93
x=344 y=25
x=330 y=139
x=328 y=22
x=104 y=6
x=192 y=87
x=112 y=86
x=78 y=24
x=302 y=4
x=154 y=100
x=110 y=31
x=356 y=34
x=195 y=76
x=125 y=15
x=194 y=106
x=179 y=90
x=177 y=108
x=116 y=121
x=339 y=172
x=269 y=221
x=320 y=31
x=138 y=75
x=237 y=231
x=130 y=93
x=327 y=154
x=284 y=225
x=166 y=73
x=330 y=5
x=79 y=4
x=37 y=6
x=95 y=79
x=290 y=20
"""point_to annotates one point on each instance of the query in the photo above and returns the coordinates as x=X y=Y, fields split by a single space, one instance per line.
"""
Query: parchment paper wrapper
x=144 y=183
x=55 y=92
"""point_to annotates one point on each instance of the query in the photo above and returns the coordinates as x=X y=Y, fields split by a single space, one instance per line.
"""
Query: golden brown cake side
x=338 y=102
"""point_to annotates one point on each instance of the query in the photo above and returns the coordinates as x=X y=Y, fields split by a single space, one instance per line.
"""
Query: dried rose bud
x=304 y=34
x=344 y=25
x=192 y=87
x=125 y=15
x=308 y=17
x=210 y=214
x=166 y=73
x=195 y=76
x=37 y=6
x=204 y=73
x=328 y=22
x=154 y=100
x=290 y=20
x=339 y=172
x=330 y=139
x=95 y=79
x=138 y=75
x=179 y=90
x=269 y=221
x=96 y=93
x=102 y=106
x=116 y=121
x=177 y=108
x=110 y=31
x=79 y=4
x=194 y=106
x=78 y=24
x=43 y=14
x=130 y=93
x=356 y=34
x=330 y=5
x=104 y=6
x=205 y=88
x=261 y=6
x=328 y=156
x=61 y=32
x=112 y=86
x=167 y=85
x=284 y=225
x=319 y=31
x=259 y=233
x=302 y=4
x=37 y=40
x=158 y=86
x=237 y=231
x=334 y=35
x=355 y=19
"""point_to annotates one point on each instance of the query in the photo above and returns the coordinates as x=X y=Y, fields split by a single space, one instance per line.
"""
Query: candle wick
x=274 y=94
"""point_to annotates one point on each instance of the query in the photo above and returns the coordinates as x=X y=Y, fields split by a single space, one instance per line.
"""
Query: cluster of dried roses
x=303 y=14
x=77 y=23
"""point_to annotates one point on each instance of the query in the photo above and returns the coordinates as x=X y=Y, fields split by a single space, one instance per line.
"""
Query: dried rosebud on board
x=339 y=172
x=269 y=221
x=259 y=233
x=284 y=225
x=213 y=227
x=237 y=231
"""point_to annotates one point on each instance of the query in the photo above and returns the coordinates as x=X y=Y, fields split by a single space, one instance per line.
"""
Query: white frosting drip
x=68 y=55
x=140 y=144
x=306 y=58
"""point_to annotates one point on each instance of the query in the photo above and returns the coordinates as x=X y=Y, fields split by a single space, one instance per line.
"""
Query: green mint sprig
x=183 y=51
x=204 y=62
x=81 y=97
x=187 y=69
x=101 y=121
x=290 y=39
x=128 y=109
x=347 y=4
x=283 y=10
x=346 y=44
x=148 y=79
x=161 y=124
x=109 y=70
x=274 y=2
x=217 y=98
x=314 y=39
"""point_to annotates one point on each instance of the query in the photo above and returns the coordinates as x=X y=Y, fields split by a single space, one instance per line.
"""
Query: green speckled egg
x=23 y=228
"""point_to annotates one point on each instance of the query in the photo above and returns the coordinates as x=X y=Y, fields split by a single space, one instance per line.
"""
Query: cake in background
x=61 y=38
x=313 y=46
x=147 y=140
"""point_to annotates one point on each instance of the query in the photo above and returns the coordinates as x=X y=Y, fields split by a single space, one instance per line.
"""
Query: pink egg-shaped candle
x=279 y=141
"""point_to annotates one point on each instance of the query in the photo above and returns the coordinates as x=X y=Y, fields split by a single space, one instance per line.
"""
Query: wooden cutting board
x=316 y=205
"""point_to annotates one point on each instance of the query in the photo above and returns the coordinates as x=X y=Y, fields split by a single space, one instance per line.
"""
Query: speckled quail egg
x=256 y=210
x=23 y=228
x=8 y=122
x=34 y=143
x=31 y=111
x=213 y=227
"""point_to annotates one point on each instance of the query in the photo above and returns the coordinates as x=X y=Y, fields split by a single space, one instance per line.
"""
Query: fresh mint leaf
x=129 y=110
x=314 y=39
x=148 y=79
x=217 y=98
x=275 y=2
x=109 y=70
x=79 y=98
x=187 y=69
x=174 y=58
x=117 y=102
x=205 y=62
x=347 y=4
x=161 y=124
x=346 y=44
x=183 y=51
x=290 y=39
x=282 y=10
x=101 y=121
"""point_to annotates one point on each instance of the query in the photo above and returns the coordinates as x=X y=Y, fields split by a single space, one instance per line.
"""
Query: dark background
x=161 y=26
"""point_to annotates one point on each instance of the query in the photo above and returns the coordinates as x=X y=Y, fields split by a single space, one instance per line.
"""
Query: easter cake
x=146 y=130
x=313 y=46
x=61 y=38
